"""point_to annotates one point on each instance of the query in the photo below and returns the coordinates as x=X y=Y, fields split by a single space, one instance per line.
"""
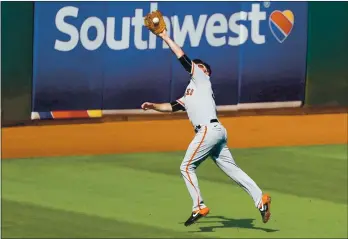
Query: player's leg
x=223 y=158
x=199 y=149
x=196 y=153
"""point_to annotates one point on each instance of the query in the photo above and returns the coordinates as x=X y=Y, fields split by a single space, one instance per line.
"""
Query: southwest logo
x=281 y=24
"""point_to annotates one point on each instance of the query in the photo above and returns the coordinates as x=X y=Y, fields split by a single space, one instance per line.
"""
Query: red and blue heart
x=281 y=24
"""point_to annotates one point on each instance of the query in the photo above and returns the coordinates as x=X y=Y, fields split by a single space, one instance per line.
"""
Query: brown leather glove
x=154 y=22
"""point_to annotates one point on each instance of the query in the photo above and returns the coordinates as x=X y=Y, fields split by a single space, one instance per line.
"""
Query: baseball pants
x=211 y=140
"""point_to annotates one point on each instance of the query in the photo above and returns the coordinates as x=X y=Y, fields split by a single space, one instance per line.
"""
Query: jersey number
x=189 y=92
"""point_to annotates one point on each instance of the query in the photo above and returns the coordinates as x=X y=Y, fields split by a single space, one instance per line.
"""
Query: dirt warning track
x=169 y=135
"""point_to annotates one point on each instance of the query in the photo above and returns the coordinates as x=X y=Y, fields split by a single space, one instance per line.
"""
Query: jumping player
x=211 y=136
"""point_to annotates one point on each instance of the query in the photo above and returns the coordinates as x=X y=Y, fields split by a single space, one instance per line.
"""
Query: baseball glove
x=154 y=22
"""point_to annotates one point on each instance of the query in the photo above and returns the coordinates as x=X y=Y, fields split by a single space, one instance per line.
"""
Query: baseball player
x=211 y=136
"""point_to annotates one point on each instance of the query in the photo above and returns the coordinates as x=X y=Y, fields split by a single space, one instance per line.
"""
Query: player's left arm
x=172 y=45
x=158 y=27
x=180 y=54
x=185 y=61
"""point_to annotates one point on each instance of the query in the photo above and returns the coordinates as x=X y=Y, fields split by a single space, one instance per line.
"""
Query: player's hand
x=148 y=106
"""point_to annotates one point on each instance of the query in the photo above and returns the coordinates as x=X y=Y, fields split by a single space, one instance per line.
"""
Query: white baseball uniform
x=210 y=140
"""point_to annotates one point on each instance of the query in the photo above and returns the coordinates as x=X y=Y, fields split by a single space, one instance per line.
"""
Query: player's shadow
x=230 y=223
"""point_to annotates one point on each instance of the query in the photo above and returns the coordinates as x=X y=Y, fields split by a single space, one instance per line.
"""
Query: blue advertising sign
x=98 y=55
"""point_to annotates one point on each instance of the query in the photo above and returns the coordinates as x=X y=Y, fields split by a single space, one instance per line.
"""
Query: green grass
x=143 y=195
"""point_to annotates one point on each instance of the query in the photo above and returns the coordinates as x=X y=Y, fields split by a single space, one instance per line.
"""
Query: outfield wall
x=326 y=75
x=327 y=56
x=16 y=61
x=98 y=55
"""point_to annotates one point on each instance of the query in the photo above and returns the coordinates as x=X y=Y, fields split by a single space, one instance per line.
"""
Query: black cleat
x=195 y=216
x=265 y=208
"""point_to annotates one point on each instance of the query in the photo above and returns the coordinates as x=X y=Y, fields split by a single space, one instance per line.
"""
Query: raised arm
x=154 y=21
x=199 y=68
x=180 y=54
x=172 y=45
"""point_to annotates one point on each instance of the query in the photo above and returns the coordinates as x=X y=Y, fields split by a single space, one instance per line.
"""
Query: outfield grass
x=143 y=195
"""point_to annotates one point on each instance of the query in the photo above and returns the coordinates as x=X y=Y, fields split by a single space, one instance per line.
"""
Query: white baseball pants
x=211 y=140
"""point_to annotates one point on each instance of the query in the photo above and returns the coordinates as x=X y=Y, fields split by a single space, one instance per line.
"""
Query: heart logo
x=281 y=24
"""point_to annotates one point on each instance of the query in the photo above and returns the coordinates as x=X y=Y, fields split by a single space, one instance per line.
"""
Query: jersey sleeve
x=198 y=74
x=179 y=104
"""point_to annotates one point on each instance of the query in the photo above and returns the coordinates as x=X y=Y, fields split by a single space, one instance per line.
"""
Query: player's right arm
x=165 y=107
x=160 y=107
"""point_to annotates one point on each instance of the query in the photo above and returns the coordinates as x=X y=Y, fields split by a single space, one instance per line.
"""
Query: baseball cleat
x=195 y=216
x=265 y=208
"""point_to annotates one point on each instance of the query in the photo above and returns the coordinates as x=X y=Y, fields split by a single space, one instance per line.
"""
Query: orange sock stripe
x=194 y=154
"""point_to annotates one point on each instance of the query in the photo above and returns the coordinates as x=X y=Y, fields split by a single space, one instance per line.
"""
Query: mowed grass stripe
x=277 y=169
x=280 y=171
x=23 y=220
x=336 y=152
x=120 y=193
x=157 y=200
x=295 y=170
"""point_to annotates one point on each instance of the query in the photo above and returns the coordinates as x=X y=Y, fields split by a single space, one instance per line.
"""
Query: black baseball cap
x=199 y=61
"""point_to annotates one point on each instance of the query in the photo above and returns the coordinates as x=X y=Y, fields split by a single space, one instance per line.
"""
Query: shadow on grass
x=230 y=223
